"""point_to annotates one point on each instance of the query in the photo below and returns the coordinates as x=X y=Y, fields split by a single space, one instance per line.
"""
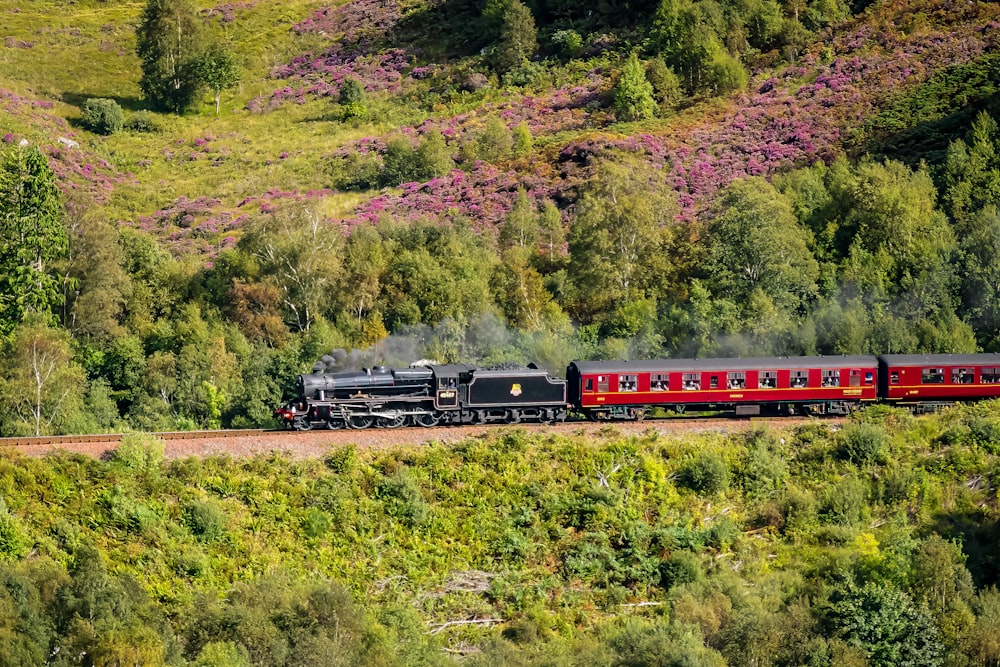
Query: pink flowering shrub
x=312 y=77
x=75 y=167
x=193 y=226
x=354 y=22
x=484 y=195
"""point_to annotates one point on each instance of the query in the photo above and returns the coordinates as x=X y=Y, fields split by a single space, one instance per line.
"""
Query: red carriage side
x=814 y=385
x=931 y=379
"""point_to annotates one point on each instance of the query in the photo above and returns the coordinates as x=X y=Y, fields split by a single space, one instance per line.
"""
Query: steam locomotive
x=630 y=390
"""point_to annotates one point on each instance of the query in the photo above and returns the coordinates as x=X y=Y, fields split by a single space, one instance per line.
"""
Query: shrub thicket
x=102 y=116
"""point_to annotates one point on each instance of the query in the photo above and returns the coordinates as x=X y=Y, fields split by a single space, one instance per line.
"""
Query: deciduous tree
x=168 y=43
x=42 y=386
x=216 y=68
x=618 y=239
x=756 y=243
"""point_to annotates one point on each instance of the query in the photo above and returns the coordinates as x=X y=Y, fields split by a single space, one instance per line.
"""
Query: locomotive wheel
x=390 y=422
x=302 y=425
x=360 y=421
x=427 y=420
x=335 y=423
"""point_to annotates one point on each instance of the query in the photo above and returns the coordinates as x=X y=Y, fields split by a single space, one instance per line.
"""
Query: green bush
x=570 y=42
x=140 y=452
x=680 y=567
x=352 y=99
x=102 y=116
x=13 y=541
x=143 y=122
x=402 y=499
x=707 y=474
x=864 y=444
x=205 y=520
x=633 y=93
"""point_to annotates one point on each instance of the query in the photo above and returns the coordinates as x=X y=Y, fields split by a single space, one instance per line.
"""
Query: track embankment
x=311 y=444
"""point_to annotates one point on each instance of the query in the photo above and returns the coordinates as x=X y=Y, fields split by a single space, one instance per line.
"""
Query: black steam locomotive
x=424 y=396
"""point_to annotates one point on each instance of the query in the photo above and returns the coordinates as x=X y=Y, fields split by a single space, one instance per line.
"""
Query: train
x=432 y=395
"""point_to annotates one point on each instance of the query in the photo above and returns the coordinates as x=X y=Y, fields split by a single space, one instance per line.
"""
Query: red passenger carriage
x=812 y=385
x=929 y=380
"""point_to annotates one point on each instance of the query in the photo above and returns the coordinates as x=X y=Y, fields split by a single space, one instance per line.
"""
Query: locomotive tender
x=610 y=390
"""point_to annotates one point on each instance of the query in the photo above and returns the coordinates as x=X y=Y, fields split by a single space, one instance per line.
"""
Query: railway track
x=306 y=444
x=114 y=438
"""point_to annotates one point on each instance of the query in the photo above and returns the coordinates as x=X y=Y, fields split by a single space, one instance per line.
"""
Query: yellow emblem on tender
x=515 y=390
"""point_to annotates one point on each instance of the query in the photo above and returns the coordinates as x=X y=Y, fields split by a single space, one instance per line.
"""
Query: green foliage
x=32 y=237
x=351 y=99
x=102 y=116
x=13 y=540
x=216 y=68
x=864 y=444
x=618 y=242
x=666 y=85
x=206 y=520
x=143 y=122
x=681 y=567
x=401 y=498
x=708 y=473
x=759 y=245
x=885 y=623
x=517 y=39
x=764 y=471
x=139 y=452
x=168 y=44
x=569 y=41
x=40 y=389
x=633 y=93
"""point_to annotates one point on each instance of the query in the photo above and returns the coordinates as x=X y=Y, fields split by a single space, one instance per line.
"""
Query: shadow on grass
x=126 y=103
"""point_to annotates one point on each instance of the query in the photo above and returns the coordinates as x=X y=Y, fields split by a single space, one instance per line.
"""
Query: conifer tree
x=32 y=237
x=634 y=93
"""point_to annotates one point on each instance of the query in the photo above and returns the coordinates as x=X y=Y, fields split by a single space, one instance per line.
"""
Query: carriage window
x=990 y=376
x=737 y=380
x=869 y=377
x=894 y=377
x=590 y=385
x=628 y=382
x=855 y=378
x=659 y=382
x=602 y=383
x=692 y=381
x=962 y=376
x=713 y=382
x=799 y=379
x=932 y=376
x=831 y=378
x=768 y=380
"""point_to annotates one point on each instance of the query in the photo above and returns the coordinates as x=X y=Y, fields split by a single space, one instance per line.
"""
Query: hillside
x=784 y=179
x=814 y=546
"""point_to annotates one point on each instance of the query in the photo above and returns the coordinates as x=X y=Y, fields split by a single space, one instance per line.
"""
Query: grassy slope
x=569 y=529
x=87 y=50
